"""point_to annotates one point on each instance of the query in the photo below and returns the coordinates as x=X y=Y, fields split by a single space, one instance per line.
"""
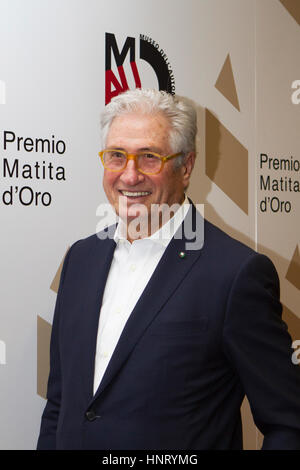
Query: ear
x=187 y=167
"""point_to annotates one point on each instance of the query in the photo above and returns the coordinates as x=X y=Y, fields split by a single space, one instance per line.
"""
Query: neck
x=145 y=225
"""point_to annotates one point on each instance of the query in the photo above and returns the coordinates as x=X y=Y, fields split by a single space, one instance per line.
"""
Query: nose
x=131 y=175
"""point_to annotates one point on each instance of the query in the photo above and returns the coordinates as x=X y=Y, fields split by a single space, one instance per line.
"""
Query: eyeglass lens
x=146 y=162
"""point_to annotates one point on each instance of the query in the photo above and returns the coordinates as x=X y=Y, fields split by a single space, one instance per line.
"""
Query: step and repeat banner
x=61 y=61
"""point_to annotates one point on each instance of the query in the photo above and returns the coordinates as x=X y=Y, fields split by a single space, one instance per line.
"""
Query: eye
x=116 y=154
x=149 y=156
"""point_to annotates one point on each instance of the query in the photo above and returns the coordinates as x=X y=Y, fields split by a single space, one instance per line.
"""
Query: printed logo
x=117 y=79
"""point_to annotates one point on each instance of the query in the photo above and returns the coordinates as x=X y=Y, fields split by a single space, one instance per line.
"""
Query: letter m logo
x=113 y=85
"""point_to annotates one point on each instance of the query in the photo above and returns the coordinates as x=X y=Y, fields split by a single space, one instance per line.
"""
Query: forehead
x=139 y=130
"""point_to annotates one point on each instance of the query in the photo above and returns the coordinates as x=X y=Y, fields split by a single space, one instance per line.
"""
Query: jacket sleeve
x=47 y=436
x=258 y=345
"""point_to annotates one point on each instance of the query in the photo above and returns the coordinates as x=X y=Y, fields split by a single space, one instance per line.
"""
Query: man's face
x=135 y=132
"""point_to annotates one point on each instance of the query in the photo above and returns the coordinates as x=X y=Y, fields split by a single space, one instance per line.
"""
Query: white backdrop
x=52 y=86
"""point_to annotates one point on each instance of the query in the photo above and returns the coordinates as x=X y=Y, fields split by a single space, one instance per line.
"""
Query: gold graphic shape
x=55 y=283
x=226 y=83
x=293 y=7
x=43 y=355
x=226 y=161
x=293 y=272
x=292 y=321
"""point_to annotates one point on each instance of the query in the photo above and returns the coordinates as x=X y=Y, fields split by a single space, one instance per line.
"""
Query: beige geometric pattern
x=43 y=341
x=293 y=272
x=43 y=355
x=292 y=321
x=226 y=84
x=55 y=283
x=226 y=161
x=293 y=7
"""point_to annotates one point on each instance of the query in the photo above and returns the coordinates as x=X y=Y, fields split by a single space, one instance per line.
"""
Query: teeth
x=136 y=194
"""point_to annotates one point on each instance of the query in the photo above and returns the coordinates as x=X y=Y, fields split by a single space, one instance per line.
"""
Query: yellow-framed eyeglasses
x=148 y=163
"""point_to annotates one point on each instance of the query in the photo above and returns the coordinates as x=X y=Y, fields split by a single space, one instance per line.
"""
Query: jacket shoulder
x=225 y=251
x=218 y=238
x=86 y=244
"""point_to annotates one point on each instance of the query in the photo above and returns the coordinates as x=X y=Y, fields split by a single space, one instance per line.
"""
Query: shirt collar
x=164 y=235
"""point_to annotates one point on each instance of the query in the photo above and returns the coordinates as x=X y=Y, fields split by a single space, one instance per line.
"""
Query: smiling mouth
x=135 y=193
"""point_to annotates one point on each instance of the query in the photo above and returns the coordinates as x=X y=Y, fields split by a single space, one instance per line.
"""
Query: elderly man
x=157 y=338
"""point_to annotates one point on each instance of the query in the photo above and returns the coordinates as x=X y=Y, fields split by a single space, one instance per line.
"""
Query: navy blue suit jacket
x=206 y=331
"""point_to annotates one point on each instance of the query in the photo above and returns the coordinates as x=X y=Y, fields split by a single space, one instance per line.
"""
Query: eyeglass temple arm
x=171 y=156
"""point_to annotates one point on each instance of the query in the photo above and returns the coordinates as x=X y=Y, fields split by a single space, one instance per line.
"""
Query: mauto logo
x=150 y=51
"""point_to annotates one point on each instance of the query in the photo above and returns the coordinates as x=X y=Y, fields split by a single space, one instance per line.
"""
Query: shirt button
x=132 y=267
x=104 y=354
x=118 y=311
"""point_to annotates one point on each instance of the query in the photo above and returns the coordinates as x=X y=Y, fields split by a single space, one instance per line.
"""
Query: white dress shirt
x=132 y=266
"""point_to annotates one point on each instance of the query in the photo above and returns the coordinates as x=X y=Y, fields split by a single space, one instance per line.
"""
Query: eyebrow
x=141 y=149
x=115 y=147
x=150 y=149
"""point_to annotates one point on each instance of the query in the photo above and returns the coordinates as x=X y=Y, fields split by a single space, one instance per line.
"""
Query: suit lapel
x=99 y=263
x=169 y=273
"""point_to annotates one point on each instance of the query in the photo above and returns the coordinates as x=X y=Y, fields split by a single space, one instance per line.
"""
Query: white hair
x=180 y=112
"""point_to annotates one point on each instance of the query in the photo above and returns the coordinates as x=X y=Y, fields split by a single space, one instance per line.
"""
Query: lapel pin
x=182 y=254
